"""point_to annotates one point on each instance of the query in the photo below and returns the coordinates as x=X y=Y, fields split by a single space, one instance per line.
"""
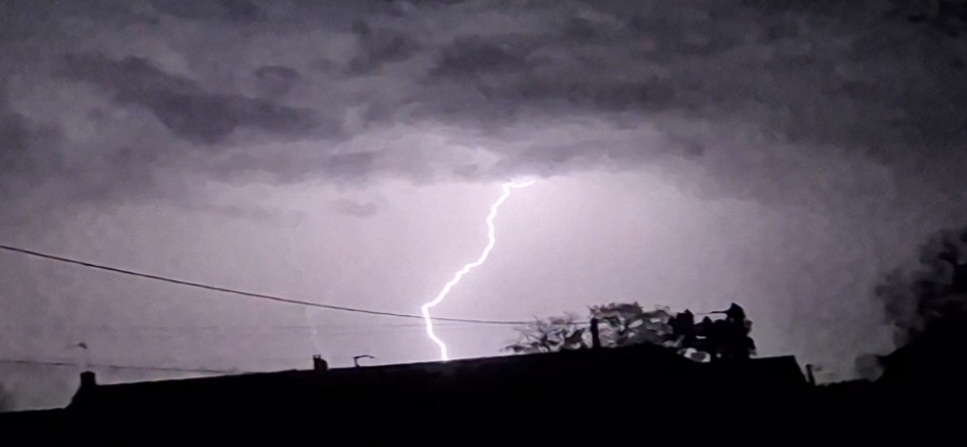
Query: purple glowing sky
x=689 y=153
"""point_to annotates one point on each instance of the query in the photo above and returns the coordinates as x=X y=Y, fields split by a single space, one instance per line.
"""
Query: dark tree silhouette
x=935 y=293
x=552 y=335
x=928 y=307
x=625 y=324
x=630 y=324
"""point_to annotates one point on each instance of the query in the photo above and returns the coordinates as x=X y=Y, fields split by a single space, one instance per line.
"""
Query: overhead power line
x=261 y=296
x=91 y=333
x=109 y=366
x=222 y=328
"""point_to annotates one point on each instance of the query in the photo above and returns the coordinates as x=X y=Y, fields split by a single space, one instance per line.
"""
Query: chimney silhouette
x=82 y=398
x=88 y=379
x=319 y=364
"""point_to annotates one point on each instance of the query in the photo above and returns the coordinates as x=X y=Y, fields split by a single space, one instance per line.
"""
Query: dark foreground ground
x=636 y=396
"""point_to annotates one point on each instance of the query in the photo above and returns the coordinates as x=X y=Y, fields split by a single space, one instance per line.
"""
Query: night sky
x=778 y=154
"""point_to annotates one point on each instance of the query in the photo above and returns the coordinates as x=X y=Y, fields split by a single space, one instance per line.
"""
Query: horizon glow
x=506 y=189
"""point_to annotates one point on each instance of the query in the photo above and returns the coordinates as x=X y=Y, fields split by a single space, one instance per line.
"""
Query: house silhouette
x=614 y=392
x=446 y=387
x=509 y=385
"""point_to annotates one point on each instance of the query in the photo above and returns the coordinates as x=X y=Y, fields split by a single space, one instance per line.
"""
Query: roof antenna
x=364 y=356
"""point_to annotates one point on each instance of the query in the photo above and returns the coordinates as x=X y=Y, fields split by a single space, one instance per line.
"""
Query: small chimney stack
x=319 y=364
x=88 y=379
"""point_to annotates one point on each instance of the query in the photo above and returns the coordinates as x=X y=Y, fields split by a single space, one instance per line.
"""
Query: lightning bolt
x=491 y=240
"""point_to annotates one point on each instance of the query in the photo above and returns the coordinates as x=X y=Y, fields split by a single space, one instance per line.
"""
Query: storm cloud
x=743 y=81
x=183 y=106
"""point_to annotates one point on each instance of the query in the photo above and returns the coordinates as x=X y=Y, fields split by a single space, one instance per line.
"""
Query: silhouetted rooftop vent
x=319 y=364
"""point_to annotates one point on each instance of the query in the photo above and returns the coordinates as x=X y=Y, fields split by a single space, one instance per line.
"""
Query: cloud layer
x=735 y=91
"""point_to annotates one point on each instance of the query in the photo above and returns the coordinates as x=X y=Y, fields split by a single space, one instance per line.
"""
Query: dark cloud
x=947 y=16
x=353 y=208
x=248 y=212
x=644 y=94
x=25 y=150
x=243 y=10
x=580 y=30
x=378 y=47
x=285 y=168
x=356 y=164
x=15 y=138
x=632 y=81
x=181 y=104
x=130 y=165
x=275 y=81
x=232 y=10
x=543 y=160
x=188 y=9
x=665 y=38
x=473 y=56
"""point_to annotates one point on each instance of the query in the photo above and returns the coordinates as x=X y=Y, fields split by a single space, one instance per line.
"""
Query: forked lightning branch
x=506 y=189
